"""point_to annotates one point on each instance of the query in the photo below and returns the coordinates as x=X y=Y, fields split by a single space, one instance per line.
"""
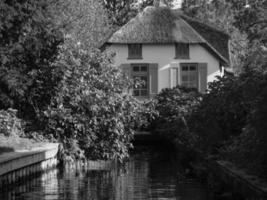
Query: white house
x=163 y=47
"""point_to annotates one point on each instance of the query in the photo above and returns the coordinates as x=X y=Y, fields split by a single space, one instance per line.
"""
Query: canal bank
x=17 y=166
x=222 y=176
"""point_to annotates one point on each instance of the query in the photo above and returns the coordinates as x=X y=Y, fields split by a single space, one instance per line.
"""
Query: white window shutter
x=203 y=77
x=175 y=75
x=153 y=79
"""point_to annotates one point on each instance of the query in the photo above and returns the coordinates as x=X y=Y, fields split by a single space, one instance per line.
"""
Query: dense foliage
x=67 y=91
x=10 y=125
x=84 y=21
x=90 y=114
x=248 y=150
x=222 y=112
x=28 y=44
x=174 y=106
x=31 y=33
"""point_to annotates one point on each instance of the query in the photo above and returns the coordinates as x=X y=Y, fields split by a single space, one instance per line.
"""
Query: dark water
x=149 y=174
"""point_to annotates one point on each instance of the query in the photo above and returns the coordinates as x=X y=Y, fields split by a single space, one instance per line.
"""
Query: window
x=140 y=76
x=134 y=51
x=189 y=75
x=182 y=50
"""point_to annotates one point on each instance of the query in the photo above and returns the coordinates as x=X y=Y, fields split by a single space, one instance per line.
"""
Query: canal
x=150 y=173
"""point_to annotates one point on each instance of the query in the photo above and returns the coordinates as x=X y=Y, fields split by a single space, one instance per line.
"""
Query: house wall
x=164 y=56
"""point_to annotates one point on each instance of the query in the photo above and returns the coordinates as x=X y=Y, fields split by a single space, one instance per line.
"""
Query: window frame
x=196 y=71
x=182 y=51
x=135 y=51
x=141 y=73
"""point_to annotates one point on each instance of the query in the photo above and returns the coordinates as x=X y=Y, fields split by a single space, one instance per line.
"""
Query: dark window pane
x=144 y=68
x=134 y=50
x=136 y=68
x=185 y=68
x=192 y=68
x=182 y=50
x=144 y=78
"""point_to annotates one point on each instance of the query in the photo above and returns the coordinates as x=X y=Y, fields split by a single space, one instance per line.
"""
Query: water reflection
x=149 y=174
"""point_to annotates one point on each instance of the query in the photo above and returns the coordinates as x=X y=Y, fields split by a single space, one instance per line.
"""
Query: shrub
x=221 y=114
x=226 y=107
x=231 y=119
x=147 y=114
x=90 y=114
x=10 y=125
x=174 y=107
x=249 y=150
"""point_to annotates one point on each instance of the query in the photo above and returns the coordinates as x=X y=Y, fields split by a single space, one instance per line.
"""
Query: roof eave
x=222 y=59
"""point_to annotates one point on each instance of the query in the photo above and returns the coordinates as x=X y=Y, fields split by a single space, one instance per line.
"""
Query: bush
x=147 y=114
x=174 y=107
x=249 y=150
x=90 y=114
x=10 y=125
x=231 y=119
x=221 y=114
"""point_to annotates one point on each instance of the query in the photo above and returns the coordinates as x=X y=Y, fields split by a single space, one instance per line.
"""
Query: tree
x=90 y=115
x=31 y=34
x=121 y=11
x=252 y=20
x=85 y=21
x=29 y=42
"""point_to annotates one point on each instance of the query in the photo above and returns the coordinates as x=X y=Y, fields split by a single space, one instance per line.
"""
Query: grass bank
x=17 y=144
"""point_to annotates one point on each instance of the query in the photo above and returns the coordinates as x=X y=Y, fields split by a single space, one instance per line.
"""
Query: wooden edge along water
x=17 y=166
x=91 y=165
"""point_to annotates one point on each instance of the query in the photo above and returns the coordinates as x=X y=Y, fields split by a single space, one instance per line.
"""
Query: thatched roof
x=162 y=25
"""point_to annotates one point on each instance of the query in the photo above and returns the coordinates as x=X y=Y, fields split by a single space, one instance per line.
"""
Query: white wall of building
x=164 y=55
